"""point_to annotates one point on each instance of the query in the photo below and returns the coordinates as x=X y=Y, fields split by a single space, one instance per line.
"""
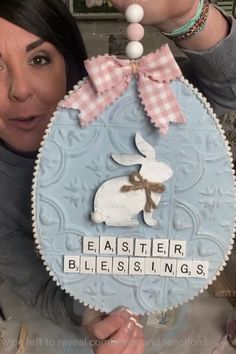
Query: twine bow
x=138 y=182
x=109 y=77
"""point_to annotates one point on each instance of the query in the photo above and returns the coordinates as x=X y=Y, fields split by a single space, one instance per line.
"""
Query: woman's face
x=32 y=81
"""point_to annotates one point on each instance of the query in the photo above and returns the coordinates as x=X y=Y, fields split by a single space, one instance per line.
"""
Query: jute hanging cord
x=138 y=182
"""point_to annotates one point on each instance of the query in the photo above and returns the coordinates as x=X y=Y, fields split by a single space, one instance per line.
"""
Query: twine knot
x=134 y=67
x=138 y=182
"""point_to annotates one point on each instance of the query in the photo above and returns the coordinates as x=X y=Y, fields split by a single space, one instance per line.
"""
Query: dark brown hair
x=52 y=21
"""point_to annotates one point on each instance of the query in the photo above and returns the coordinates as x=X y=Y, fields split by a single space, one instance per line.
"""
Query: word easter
x=134 y=247
x=161 y=257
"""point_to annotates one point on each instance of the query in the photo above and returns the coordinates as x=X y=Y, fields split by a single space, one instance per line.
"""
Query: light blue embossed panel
x=197 y=206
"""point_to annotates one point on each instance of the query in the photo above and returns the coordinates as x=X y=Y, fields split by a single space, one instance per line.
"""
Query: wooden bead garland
x=135 y=31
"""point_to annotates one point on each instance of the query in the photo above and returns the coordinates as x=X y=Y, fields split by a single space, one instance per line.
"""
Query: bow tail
x=160 y=103
x=90 y=103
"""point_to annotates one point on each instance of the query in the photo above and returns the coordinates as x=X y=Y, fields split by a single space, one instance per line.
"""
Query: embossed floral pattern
x=197 y=206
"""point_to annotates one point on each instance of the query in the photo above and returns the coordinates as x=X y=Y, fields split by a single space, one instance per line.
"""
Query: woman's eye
x=39 y=60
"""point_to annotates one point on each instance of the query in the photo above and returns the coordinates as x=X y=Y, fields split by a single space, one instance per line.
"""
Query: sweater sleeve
x=25 y=273
x=215 y=70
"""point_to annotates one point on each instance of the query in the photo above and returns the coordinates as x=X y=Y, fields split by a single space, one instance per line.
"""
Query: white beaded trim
x=210 y=111
x=33 y=194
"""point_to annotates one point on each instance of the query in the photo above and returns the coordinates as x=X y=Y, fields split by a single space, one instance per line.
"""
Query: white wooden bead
x=134 y=50
x=134 y=13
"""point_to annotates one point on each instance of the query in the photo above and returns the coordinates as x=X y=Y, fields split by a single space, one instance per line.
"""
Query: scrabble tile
x=136 y=265
x=152 y=266
x=125 y=246
x=104 y=265
x=107 y=245
x=87 y=265
x=200 y=269
x=177 y=249
x=120 y=265
x=168 y=267
x=160 y=247
x=142 y=247
x=71 y=264
x=91 y=245
x=184 y=268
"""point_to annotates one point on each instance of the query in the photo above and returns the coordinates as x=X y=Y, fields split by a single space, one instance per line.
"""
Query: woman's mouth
x=25 y=123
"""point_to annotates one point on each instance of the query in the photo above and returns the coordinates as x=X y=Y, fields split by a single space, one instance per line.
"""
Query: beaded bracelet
x=186 y=27
x=191 y=28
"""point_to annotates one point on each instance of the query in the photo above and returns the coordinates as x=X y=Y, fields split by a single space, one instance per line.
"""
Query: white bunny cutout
x=116 y=207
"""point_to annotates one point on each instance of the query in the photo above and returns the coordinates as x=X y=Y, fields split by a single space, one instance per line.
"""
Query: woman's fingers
x=121 y=341
x=106 y=327
x=127 y=340
x=136 y=342
x=117 y=333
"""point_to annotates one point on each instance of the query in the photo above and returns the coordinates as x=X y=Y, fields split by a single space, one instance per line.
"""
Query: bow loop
x=160 y=65
x=100 y=69
x=109 y=78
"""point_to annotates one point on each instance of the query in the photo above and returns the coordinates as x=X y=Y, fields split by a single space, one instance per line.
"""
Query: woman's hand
x=168 y=15
x=117 y=333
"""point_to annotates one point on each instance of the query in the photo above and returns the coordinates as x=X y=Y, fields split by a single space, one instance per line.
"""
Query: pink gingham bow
x=109 y=77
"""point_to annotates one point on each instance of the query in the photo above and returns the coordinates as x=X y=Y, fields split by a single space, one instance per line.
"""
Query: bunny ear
x=144 y=147
x=127 y=160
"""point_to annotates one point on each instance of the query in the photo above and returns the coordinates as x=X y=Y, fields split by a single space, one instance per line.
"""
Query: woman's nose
x=20 y=88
